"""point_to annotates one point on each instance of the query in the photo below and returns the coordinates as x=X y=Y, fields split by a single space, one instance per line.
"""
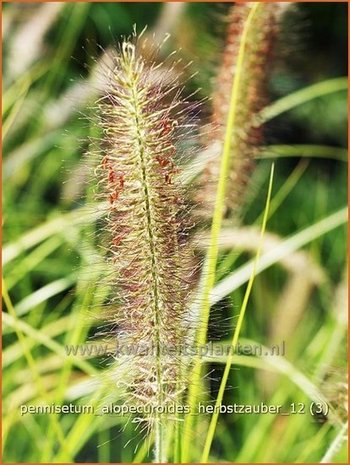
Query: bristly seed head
x=247 y=135
x=145 y=226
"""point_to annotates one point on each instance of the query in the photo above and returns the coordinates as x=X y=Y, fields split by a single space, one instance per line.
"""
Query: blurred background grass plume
x=51 y=54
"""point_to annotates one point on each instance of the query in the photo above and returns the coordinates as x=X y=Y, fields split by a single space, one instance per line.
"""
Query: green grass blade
x=212 y=256
x=336 y=444
x=290 y=101
x=41 y=338
x=291 y=244
x=219 y=399
x=31 y=363
x=304 y=150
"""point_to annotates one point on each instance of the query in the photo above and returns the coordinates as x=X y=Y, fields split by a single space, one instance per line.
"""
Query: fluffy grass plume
x=146 y=227
x=247 y=134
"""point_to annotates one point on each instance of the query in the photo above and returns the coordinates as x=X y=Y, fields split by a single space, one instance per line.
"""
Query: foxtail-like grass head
x=146 y=229
x=252 y=96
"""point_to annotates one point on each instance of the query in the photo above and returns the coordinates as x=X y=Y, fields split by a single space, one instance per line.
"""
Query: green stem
x=160 y=446
x=215 y=416
x=212 y=255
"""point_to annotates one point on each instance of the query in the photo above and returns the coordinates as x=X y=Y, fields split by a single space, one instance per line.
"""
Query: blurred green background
x=49 y=83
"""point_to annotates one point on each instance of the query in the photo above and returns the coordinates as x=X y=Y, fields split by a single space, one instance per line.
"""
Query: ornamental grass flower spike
x=247 y=134
x=146 y=227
